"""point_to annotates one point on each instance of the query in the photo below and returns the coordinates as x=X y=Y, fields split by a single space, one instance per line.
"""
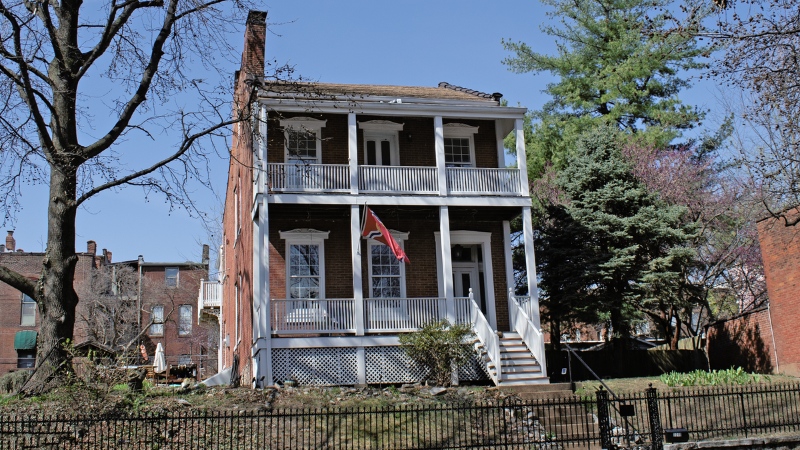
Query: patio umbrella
x=160 y=360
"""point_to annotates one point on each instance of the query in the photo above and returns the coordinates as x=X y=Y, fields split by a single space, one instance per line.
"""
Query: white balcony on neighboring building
x=210 y=298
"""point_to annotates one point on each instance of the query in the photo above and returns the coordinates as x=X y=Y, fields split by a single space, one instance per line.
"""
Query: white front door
x=464 y=278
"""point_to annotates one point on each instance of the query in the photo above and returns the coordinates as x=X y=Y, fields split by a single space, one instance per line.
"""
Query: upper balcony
x=394 y=180
x=209 y=300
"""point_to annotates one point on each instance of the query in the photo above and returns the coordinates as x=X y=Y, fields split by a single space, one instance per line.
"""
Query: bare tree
x=78 y=85
x=108 y=313
x=760 y=56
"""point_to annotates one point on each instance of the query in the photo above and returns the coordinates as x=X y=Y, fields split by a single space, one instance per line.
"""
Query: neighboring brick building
x=304 y=295
x=19 y=321
x=166 y=289
x=780 y=247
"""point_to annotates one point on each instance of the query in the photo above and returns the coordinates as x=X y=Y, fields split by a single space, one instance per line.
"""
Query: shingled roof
x=444 y=91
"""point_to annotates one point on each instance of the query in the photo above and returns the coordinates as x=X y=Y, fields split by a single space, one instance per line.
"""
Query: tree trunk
x=56 y=296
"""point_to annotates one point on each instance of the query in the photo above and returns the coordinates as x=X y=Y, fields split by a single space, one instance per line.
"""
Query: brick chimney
x=108 y=257
x=206 y=258
x=11 y=243
x=91 y=247
x=255 y=37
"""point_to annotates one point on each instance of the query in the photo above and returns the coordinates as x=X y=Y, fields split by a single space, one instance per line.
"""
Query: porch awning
x=25 y=340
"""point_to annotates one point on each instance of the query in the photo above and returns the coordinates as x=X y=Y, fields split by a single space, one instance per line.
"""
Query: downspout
x=139 y=303
x=772 y=332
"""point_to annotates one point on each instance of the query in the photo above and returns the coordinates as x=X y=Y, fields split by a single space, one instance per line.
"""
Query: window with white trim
x=459 y=145
x=157 y=316
x=303 y=140
x=184 y=320
x=386 y=273
x=28 y=315
x=305 y=263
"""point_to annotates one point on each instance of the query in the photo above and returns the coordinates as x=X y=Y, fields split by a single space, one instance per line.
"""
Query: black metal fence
x=630 y=421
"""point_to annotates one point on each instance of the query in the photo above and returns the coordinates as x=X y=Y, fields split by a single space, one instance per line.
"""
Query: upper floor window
x=459 y=145
x=157 y=317
x=303 y=140
x=184 y=320
x=171 y=276
x=28 y=312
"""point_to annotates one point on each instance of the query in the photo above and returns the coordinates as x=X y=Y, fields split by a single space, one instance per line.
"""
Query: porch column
x=447 y=264
x=262 y=348
x=438 y=141
x=501 y=148
x=358 y=294
x=530 y=264
x=509 y=262
x=522 y=161
x=352 y=145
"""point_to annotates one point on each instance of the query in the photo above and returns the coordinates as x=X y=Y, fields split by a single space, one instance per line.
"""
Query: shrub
x=440 y=347
x=11 y=383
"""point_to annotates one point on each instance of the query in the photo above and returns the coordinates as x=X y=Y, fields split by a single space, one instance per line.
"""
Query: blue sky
x=368 y=42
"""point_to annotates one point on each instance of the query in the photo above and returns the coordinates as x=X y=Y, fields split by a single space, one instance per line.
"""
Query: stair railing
x=487 y=336
x=532 y=336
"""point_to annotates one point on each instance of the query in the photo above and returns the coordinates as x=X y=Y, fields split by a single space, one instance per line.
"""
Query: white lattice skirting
x=339 y=366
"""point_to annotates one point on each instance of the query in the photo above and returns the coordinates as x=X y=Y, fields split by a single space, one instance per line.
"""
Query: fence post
x=656 y=433
x=603 y=419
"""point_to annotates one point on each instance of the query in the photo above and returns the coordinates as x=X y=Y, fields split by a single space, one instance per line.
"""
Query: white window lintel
x=382 y=126
x=304 y=234
x=304 y=123
x=459 y=130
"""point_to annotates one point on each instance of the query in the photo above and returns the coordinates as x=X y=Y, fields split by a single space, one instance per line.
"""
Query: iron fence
x=634 y=421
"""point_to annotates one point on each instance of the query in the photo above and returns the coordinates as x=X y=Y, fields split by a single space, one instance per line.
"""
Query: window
x=459 y=146
x=386 y=273
x=303 y=140
x=184 y=320
x=28 y=312
x=157 y=316
x=26 y=359
x=457 y=152
x=185 y=360
x=305 y=263
x=171 y=276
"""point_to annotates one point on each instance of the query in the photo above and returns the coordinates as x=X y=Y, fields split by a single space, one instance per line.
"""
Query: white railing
x=463 y=310
x=520 y=314
x=401 y=314
x=210 y=295
x=309 y=177
x=485 y=181
x=487 y=336
x=311 y=316
x=396 y=179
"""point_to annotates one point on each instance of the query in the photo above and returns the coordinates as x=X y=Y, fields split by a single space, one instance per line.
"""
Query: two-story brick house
x=304 y=295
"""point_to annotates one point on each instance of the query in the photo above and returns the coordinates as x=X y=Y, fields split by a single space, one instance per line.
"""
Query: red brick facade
x=780 y=246
x=28 y=264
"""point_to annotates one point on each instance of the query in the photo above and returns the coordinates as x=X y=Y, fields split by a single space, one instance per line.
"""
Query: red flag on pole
x=374 y=229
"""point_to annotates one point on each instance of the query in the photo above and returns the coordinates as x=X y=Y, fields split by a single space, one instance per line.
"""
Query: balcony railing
x=381 y=315
x=393 y=179
x=470 y=180
x=396 y=179
x=210 y=294
x=309 y=177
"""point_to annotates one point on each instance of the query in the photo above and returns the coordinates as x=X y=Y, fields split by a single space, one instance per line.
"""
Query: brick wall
x=744 y=341
x=28 y=264
x=780 y=246
x=200 y=343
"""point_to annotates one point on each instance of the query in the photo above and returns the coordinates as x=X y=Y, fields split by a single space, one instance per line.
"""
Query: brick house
x=304 y=295
x=19 y=322
x=164 y=293
x=780 y=245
